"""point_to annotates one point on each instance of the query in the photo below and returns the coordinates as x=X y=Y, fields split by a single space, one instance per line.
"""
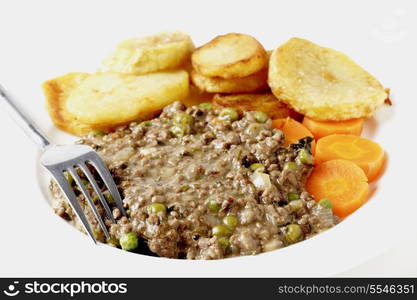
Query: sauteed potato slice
x=108 y=99
x=166 y=50
x=231 y=55
x=322 y=83
x=251 y=83
x=56 y=92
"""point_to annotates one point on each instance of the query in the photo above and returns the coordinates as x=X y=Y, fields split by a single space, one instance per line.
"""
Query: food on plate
x=324 y=128
x=322 y=83
x=264 y=102
x=56 y=92
x=163 y=51
x=251 y=83
x=200 y=183
x=368 y=155
x=107 y=99
x=293 y=130
x=233 y=55
x=249 y=169
x=340 y=181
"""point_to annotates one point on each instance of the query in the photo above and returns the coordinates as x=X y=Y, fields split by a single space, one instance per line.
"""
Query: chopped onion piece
x=124 y=154
x=147 y=151
x=272 y=245
x=325 y=217
x=261 y=180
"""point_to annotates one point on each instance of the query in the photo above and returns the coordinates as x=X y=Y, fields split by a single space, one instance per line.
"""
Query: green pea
x=183 y=119
x=304 y=157
x=206 y=105
x=290 y=166
x=69 y=178
x=293 y=196
x=293 y=233
x=85 y=182
x=95 y=199
x=109 y=198
x=129 y=241
x=98 y=132
x=156 y=208
x=325 y=202
x=213 y=206
x=228 y=114
x=230 y=221
x=257 y=167
x=220 y=231
x=223 y=242
x=260 y=116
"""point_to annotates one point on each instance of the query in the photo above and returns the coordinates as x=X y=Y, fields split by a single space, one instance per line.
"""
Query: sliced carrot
x=324 y=128
x=278 y=123
x=293 y=130
x=365 y=153
x=340 y=181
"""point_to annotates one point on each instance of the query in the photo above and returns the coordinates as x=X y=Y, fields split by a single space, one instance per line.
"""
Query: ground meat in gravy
x=208 y=163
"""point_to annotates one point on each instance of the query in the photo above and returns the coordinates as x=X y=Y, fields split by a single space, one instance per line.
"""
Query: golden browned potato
x=166 y=50
x=229 y=56
x=56 y=92
x=108 y=99
x=251 y=83
x=265 y=102
x=323 y=83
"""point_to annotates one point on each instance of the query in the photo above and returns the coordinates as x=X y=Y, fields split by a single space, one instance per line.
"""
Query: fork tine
x=103 y=171
x=97 y=190
x=72 y=200
x=87 y=196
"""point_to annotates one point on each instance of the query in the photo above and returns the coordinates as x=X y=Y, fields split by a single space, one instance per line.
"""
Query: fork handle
x=28 y=126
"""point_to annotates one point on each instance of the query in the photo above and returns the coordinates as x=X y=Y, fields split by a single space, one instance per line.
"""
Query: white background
x=43 y=39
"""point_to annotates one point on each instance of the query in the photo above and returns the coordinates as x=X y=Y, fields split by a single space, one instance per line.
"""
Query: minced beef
x=200 y=167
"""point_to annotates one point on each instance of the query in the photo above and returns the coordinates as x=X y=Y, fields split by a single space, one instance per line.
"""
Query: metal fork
x=60 y=159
